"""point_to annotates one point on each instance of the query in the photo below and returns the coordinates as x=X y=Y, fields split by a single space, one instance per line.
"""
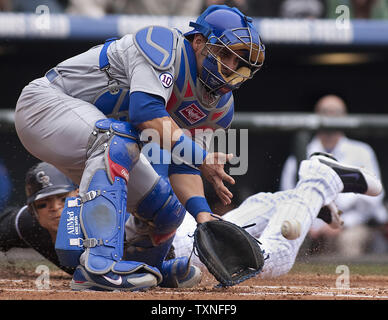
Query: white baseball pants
x=318 y=186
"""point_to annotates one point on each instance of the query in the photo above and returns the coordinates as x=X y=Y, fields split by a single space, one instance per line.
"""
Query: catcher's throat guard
x=228 y=251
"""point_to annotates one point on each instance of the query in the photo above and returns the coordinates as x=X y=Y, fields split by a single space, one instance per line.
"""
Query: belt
x=51 y=75
x=103 y=61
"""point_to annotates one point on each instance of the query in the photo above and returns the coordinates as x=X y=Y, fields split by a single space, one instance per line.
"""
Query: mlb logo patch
x=192 y=113
x=166 y=79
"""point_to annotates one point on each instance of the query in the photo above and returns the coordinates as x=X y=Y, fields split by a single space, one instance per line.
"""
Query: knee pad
x=122 y=149
x=103 y=196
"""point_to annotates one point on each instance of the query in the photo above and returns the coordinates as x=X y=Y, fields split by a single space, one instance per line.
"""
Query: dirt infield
x=19 y=283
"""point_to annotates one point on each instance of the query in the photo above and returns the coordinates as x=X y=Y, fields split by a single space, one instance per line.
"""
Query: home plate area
x=27 y=283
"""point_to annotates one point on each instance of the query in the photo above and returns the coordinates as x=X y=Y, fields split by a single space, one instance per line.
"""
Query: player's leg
x=156 y=213
x=55 y=127
x=58 y=129
x=318 y=185
x=320 y=181
x=112 y=153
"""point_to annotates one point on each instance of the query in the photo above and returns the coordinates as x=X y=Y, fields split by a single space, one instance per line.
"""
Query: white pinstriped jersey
x=318 y=185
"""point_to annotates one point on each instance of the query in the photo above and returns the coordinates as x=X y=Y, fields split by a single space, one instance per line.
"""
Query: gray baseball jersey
x=82 y=78
x=55 y=115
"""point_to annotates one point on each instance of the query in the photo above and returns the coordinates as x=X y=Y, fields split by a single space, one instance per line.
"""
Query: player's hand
x=213 y=170
x=203 y=217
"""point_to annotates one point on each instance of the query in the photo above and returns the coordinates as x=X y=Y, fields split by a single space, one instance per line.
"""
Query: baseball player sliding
x=87 y=115
x=321 y=179
x=281 y=220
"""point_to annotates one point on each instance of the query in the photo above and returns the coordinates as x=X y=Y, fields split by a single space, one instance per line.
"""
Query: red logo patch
x=192 y=113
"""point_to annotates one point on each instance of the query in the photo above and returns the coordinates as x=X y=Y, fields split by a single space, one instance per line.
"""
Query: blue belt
x=51 y=75
x=103 y=59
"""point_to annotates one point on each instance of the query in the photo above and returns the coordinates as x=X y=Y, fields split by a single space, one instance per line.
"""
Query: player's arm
x=19 y=229
x=187 y=182
x=211 y=164
x=9 y=237
x=148 y=112
x=189 y=190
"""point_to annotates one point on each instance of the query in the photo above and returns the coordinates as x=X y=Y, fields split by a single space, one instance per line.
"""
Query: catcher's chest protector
x=185 y=107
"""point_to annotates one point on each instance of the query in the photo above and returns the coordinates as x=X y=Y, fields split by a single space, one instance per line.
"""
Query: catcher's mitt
x=229 y=252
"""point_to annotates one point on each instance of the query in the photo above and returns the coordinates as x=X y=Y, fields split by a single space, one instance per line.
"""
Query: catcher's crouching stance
x=96 y=244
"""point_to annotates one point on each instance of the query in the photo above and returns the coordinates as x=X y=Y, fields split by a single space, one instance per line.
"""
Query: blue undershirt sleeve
x=144 y=107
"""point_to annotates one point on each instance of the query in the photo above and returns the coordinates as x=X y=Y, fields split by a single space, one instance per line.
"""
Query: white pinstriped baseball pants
x=318 y=185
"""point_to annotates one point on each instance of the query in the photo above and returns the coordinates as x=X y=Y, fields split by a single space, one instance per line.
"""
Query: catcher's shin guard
x=154 y=224
x=102 y=222
x=103 y=193
x=103 y=208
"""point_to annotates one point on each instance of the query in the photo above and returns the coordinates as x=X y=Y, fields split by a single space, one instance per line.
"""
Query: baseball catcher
x=92 y=115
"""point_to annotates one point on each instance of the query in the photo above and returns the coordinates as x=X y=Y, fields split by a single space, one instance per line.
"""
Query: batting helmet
x=228 y=30
x=43 y=180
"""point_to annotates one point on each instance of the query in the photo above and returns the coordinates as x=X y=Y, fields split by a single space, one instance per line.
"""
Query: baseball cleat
x=354 y=179
x=84 y=280
x=331 y=215
x=178 y=273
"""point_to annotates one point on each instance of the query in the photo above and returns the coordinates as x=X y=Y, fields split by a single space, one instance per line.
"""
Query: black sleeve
x=24 y=230
x=9 y=237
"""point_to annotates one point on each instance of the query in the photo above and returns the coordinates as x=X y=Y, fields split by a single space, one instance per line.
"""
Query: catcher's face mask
x=225 y=67
x=233 y=51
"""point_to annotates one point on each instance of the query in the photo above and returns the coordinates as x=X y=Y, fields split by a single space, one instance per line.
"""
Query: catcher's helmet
x=228 y=30
x=43 y=180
